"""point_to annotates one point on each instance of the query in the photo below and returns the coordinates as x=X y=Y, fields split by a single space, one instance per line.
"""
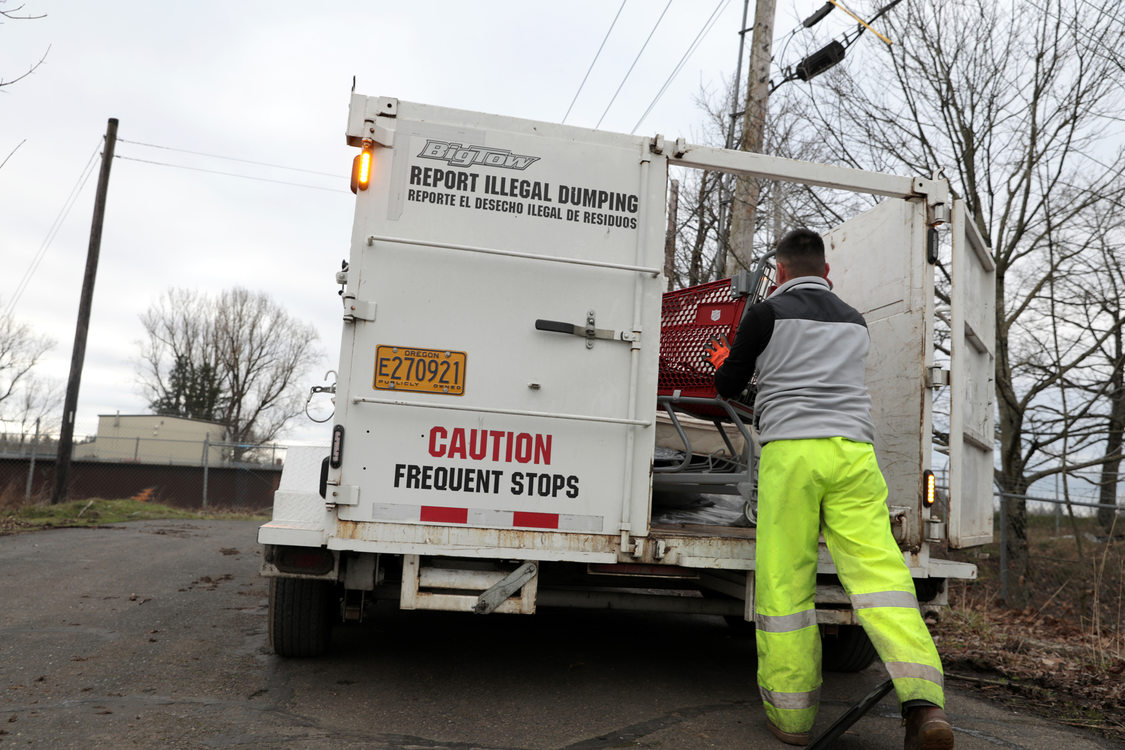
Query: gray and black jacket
x=810 y=350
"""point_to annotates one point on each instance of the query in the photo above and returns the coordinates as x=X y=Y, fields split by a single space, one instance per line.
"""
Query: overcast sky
x=269 y=82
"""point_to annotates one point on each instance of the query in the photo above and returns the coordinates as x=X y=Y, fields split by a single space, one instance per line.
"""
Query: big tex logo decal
x=460 y=155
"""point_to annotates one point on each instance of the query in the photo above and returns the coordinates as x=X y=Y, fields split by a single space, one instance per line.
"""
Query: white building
x=153 y=439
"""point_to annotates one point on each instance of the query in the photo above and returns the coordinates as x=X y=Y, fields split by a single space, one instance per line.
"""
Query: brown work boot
x=789 y=738
x=927 y=728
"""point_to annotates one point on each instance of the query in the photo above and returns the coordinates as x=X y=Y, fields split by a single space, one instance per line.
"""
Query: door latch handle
x=590 y=331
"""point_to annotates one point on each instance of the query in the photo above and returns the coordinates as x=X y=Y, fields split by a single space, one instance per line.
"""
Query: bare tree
x=179 y=356
x=235 y=359
x=1012 y=102
x=1098 y=313
x=36 y=401
x=1114 y=419
x=704 y=220
x=18 y=14
x=699 y=229
x=20 y=351
x=262 y=352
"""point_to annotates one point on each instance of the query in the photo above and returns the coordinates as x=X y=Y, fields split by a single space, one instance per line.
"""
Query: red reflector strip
x=485 y=518
x=435 y=514
x=535 y=520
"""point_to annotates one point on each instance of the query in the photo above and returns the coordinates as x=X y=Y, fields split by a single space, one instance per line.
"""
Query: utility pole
x=670 y=232
x=719 y=263
x=78 y=356
x=744 y=209
x=31 y=463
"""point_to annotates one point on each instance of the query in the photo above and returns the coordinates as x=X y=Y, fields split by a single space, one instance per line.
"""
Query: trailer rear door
x=972 y=389
x=502 y=366
x=878 y=265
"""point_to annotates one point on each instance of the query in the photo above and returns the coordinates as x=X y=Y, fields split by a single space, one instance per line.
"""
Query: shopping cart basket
x=689 y=319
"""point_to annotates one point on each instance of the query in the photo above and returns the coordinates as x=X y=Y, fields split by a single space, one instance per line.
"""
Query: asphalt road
x=153 y=635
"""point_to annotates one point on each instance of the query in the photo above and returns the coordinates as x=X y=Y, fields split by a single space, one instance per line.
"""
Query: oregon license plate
x=404 y=368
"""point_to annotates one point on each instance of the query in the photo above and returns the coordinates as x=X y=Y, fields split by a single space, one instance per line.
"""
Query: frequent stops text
x=483 y=445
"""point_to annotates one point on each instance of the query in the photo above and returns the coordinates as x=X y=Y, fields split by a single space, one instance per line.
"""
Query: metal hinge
x=373 y=129
x=658 y=143
x=937 y=213
x=899 y=515
x=343 y=494
x=355 y=309
x=936 y=377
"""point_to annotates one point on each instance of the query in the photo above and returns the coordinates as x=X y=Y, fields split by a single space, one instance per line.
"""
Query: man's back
x=810 y=349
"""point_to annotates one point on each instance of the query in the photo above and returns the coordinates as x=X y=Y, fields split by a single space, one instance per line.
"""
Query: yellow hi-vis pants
x=834 y=486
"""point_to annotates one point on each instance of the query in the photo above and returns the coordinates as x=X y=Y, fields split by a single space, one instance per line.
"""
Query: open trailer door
x=972 y=387
x=878 y=265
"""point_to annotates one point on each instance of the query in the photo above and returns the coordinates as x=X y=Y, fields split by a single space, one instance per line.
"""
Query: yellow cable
x=861 y=21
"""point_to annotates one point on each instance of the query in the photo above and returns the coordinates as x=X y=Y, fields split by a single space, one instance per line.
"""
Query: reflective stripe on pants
x=834 y=486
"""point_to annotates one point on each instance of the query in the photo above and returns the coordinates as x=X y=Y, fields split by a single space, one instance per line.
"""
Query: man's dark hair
x=802 y=252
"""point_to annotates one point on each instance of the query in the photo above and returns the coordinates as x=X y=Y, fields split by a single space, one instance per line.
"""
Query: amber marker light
x=929 y=488
x=361 y=169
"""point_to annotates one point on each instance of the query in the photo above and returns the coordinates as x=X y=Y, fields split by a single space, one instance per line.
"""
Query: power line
x=1100 y=9
x=72 y=198
x=707 y=26
x=227 y=174
x=1072 y=26
x=596 y=55
x=638 y=57
x=53 y=231
x=1055 y=14
x=12 y=153
x=1099 y=162
x=227 y=158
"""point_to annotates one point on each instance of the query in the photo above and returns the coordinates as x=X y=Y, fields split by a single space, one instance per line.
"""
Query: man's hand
x=717 y=350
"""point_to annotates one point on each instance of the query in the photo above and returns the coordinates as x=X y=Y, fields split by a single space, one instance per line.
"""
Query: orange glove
x=717 y=350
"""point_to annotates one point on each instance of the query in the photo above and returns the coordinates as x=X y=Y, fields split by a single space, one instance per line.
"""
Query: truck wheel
x=300 y=618
x=848 y=650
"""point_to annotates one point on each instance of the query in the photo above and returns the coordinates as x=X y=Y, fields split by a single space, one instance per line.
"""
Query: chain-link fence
x=205 y=473
x=1067 y=550
x=1081 y=490
x=184 y=473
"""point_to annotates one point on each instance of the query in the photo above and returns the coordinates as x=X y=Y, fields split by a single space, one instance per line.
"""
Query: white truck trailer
x=494 y=436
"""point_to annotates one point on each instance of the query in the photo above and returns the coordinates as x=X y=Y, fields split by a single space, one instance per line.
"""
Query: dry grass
x=22 y=517
x=13 y=495
x=1062 y=657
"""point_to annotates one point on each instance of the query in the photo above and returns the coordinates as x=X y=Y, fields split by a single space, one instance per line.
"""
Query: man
x=818 y=474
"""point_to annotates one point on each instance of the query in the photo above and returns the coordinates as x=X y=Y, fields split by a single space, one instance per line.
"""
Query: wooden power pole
x=747 y=190
x=78 y=356
x=670 y=232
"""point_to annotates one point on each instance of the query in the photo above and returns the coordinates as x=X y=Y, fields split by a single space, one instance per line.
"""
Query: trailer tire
x=847 y=650
x=300 y=616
